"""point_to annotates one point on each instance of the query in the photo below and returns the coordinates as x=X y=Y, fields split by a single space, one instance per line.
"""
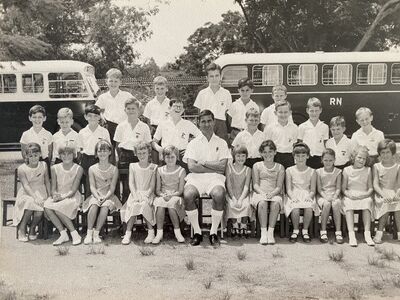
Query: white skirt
x=300 y=200
x=68 y=207
x=175 y=202
x=321 y=201
x=24 y=202
x=205 y=182
x=362 y=204
x=256 y=198
x=382 y=207
x=112 y=203
x=138 y=204
x=233 y=212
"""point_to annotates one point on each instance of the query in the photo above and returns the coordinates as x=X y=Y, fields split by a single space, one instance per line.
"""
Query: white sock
x=338 y=232
x=304 y=231
x=216 y=216
x=160 y=232
x=96 y=233
x=379 y=234
x=322 y=232
x=75 y=235
x=296 y=231
x=398 y=235
x=193 y=216
x=263 y=231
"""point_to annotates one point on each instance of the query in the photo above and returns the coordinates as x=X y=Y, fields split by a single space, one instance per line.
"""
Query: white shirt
x=114 y=107
x=283 y=136
x=157 y=112
x=129 y=137
x=88 y=138
x=176 y=134
x=252 y=142
x=43 y=138
x=238 y=112
x=370 y=140
x=202 y=149
x=314 y=136
x=342 y=150
x=218 y=103
x=71 y=138
x=268 y=116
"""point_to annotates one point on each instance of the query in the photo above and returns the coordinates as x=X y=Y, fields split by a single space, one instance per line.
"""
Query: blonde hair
x=67 y=147
x=114 y=72
x=142 y=146
x=160 y=80
x=31 y=148
x=279 y=87
x=282 y=103
x=363 y=110
x=314 y=102
x=357 y=150
x=65 y=112
x=252 y=112
x=168 y=150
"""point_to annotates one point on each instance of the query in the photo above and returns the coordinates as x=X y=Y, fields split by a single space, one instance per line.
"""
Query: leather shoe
x=214 y=241
x=197 y=239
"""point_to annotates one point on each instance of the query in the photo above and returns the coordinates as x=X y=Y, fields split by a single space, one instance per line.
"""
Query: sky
x=174 y=23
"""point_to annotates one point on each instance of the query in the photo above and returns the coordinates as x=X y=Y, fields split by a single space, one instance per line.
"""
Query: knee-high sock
x=193 y=216
x=216 y=216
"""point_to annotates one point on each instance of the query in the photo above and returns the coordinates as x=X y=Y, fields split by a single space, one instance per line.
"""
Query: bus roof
x=42 y=66
x=306 y=57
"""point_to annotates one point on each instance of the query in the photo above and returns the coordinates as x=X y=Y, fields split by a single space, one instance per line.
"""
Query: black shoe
x=293 y=238
x=306 y=238
x=214 y=241
x=197 y=239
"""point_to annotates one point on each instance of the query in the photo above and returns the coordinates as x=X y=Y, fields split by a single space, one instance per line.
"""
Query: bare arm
x=158 y=184
x=23 y=149
x=246 y=187
x=92 y=183
x=53 y=182
x=376 y=185
x=313 y=184
x=279 y=183
x=229 y=184
x=132 y=183
x=289 y=188
x=195 y=167
x=47 y=181
x=338 y=185
x=75 y=184
x=112 y=185
x=216 y=165
x=256 y=181
x=345 y=191
x=50 y=148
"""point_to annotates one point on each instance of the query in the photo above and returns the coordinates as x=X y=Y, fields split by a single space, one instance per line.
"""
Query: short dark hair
x=37 y=109
x=338 y=121
x=175 y=100
x=213 y=67
x=240 y=149
x=268 y=143
x=387 y=144
x=245 y=82
x=204 y=113
x=92 y=109
x=328 y=151
x=301 y=148
x=170 y=149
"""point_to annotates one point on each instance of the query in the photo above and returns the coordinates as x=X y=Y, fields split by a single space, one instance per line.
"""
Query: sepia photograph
x=199 y=149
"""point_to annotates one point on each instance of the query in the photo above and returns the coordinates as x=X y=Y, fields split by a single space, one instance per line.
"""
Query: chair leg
x=344 y=226
x=287 y=226
x=316 y=226
x=253 y=229
x=282 y=225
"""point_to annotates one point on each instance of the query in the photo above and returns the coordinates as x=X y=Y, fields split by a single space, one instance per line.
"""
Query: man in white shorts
x=206 y=156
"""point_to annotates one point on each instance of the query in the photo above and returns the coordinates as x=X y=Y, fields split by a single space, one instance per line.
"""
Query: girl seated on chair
x=238 y=178
x=386 y=185
x=357 y=191
x=62 y=207
x=268 y=177
x=301 y=183
x=142 y=181
x=35 y=189
x=169 y=189
x=329 y=180
x=103 y=178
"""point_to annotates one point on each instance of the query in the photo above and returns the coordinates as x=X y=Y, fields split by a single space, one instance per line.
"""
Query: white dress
x=301 y=184
x=103 y=181
x=328 y=182
x=65 y=179
x=36 y=179
x=357 y=182
x=238 y=181
x=268 y=182
x=387 y=182
x=139 y=202
x=170 y=184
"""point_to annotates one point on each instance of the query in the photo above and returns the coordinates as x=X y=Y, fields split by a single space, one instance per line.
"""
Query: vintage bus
x=343 y=81
x=52 y=84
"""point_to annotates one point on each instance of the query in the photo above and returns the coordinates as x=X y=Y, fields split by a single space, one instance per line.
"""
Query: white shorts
x=205 y=182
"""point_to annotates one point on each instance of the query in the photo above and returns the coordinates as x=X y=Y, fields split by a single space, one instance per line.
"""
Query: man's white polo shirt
x=218 y=103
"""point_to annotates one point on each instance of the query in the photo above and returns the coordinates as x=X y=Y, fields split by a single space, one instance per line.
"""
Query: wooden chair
x=202 y=215
x=312 y=229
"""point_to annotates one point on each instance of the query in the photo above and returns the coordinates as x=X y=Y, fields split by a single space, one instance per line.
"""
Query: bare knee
x=218 y=196
x=190 y=194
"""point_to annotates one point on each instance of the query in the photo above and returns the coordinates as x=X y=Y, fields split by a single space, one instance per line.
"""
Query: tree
x=95 y=31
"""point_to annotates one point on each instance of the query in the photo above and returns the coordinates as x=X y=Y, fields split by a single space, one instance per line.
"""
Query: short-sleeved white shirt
x=252 y=142
x=342 y=150
x=88 y=138
x=43 y=138
x=268 y=116
x=128 y=137
x=71 y=138
x=114 y=107
x=157 y=112
x=238 y=112
x=370 y=140
x=314 y=136
x=283 y=136
x=176 y=134
x=218 y=103
x=207 y=150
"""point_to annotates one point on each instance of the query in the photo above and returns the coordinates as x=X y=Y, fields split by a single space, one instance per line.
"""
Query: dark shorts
x=220 y=129
x=233 y=134
x=87 y=161
x=251 y=161
x=341 y=167
x=111 y=127
x=314 y=162
x=125 y=158
x=372 y=159
x=285 y=159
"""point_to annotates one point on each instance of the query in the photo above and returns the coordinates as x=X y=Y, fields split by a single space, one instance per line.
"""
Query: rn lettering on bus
x=335 y=101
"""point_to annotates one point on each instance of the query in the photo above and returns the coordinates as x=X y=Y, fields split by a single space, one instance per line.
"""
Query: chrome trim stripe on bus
x=331 y=92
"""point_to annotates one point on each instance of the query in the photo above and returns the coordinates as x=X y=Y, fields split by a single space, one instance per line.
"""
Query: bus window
x=338 y=74
x=302 y=74
x=268 y=75
x=8 y=83
x=232 y=74
x=371 y=74
x=32 y=83
x=67 y=85
x=396 y=74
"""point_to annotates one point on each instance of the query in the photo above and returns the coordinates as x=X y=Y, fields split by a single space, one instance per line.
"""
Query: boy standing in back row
x=216 y=99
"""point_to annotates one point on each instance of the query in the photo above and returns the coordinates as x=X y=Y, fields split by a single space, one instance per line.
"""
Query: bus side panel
x=15 y=120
